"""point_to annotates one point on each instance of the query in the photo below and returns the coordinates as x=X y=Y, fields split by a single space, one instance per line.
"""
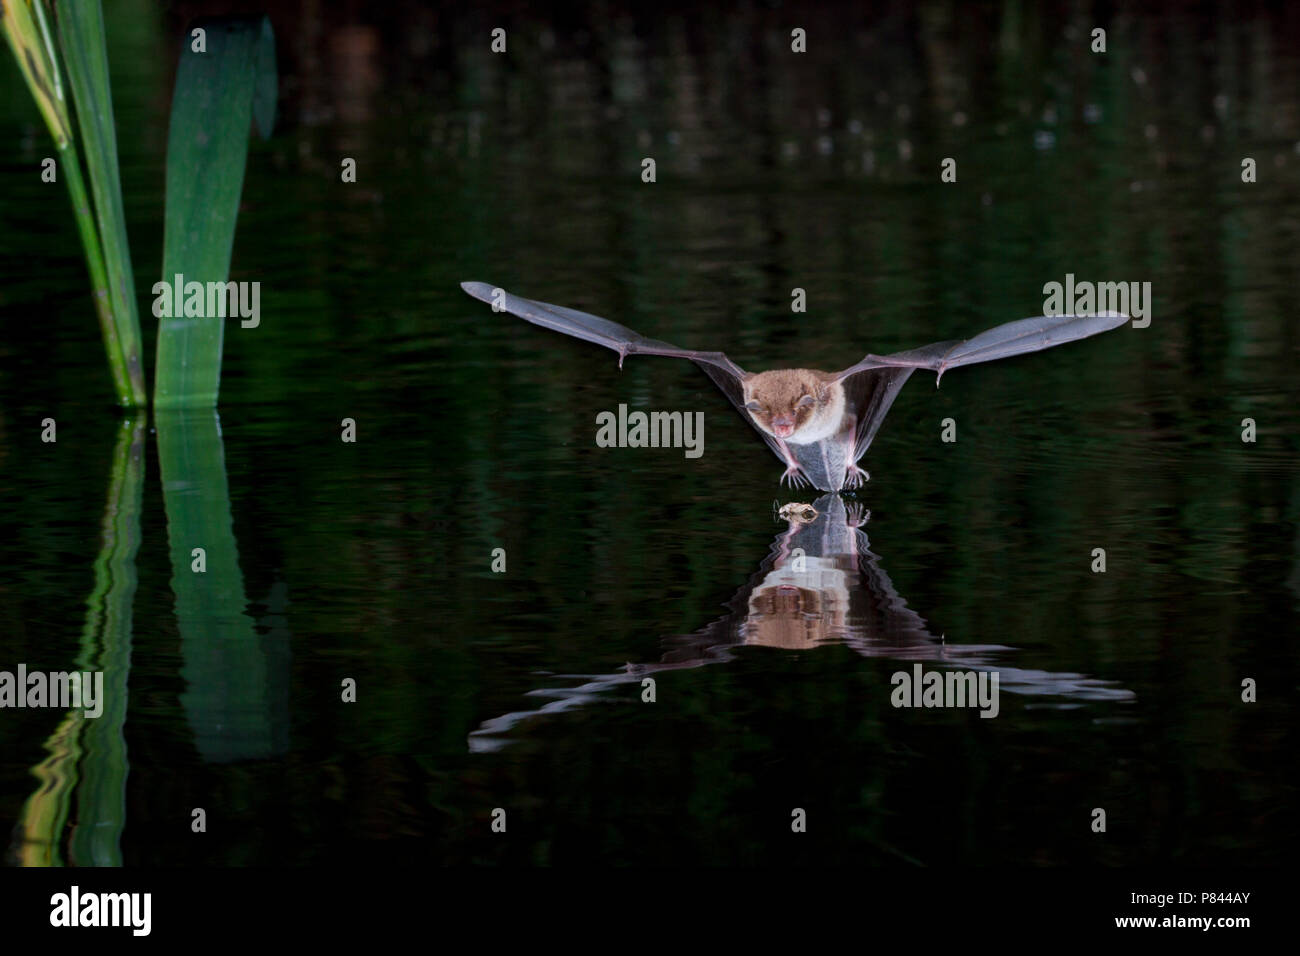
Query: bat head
x=790 y=403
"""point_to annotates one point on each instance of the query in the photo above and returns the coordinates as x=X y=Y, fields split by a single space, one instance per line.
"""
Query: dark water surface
x=479 y=690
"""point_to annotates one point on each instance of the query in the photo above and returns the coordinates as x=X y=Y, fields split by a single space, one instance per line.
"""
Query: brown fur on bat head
x=797 y=405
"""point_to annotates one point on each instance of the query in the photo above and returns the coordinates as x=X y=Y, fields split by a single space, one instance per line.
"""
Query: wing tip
x=479 y=290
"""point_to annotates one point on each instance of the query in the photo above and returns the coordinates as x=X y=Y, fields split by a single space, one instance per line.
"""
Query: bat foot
x=796 y=478
x=855 y=477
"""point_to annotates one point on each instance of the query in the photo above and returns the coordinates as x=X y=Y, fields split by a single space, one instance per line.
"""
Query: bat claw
x=855 y=477
x=796 y=478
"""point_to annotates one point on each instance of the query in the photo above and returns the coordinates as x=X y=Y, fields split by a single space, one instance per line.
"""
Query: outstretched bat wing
x=726 y=374
x=592 y=328
x=872 y=384
x=1003 y=341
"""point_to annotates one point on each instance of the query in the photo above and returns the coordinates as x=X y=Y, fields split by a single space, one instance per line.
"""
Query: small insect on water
x=798 y=512
x=819 y=424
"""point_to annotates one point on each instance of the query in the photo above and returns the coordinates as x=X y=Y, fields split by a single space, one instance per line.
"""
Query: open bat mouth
x=782 y=430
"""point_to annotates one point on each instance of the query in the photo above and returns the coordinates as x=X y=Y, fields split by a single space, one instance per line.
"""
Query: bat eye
x=753 y=406
x=806 y=402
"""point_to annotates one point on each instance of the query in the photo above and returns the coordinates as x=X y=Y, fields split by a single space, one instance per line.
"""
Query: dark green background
x=775 y=170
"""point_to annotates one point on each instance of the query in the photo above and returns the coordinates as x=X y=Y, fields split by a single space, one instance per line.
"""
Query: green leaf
x=99 y=223
x=218 y=93
x=85 y=56
x=25 y=29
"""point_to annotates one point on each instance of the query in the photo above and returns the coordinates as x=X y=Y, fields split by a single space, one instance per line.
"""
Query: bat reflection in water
x=819 y=424
x=820 y=584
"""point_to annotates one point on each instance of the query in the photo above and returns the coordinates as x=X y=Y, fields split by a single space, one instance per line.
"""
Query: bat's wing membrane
x=592 y=328
x=734 y=389
x=870 y=393
x=726 y=374
x=1012 y=338
x=872 y=384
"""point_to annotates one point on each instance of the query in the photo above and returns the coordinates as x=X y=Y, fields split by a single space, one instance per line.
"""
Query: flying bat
x=819 y=424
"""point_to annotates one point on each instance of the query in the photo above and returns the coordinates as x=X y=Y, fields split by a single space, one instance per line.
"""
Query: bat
x=819 y=424
x=820 y=584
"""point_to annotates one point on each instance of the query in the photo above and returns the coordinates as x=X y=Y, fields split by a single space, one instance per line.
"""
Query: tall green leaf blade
x=217 y=93
x=85 y=56
x=25 y=29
